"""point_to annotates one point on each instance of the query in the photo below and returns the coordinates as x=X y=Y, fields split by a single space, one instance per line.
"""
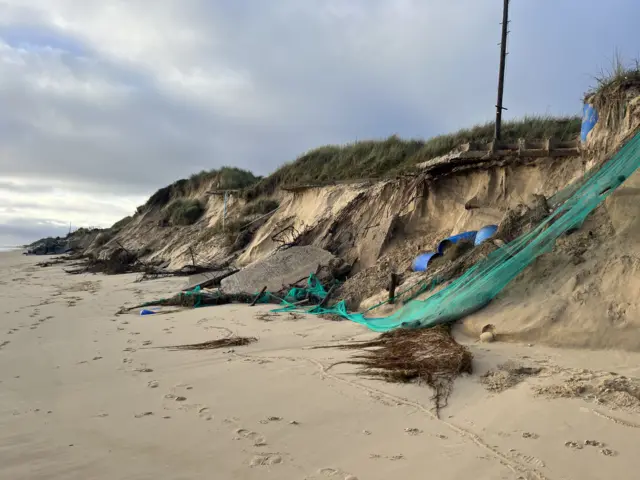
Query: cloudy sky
x=104 y=101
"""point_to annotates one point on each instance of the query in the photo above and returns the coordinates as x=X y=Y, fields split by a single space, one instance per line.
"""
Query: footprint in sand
x=257 y=439
x=147 y=342
x=153 y=384
x=177 y=398
x=127 y=360
x=5 y=343
x=205 y=413
x=334 y=472
x=266 y=459
x=528 y=459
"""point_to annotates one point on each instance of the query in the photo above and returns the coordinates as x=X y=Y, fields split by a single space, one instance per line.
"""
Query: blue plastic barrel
x=421 y=262
x=485 y=233
x=464 y=236
x=589 y=120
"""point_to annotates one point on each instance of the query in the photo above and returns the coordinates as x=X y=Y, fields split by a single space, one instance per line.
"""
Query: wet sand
x=84 y=394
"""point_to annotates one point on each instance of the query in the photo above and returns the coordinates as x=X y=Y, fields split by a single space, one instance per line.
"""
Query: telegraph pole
x=503 y=57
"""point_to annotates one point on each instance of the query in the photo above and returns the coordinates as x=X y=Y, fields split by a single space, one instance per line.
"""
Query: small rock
x=487 y=337
x=180 y=399
x=293 y=422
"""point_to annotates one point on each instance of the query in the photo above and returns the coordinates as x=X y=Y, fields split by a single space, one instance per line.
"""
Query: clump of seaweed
x=428 y=355
x=232 y=341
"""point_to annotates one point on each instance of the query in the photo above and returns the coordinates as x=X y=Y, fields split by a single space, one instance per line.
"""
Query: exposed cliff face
x=382 y=226
x=359 y=222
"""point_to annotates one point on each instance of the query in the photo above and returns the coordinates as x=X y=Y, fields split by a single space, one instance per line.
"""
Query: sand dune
x=84 y=394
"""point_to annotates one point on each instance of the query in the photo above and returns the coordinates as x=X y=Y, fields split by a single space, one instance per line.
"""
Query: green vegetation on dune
x=224 y=178
x=184 y=211
x=393 y=156
x=372 y=159
x=619 y=76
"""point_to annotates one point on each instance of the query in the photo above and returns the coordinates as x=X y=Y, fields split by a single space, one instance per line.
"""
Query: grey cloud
x=328 y=72
x=21 y=232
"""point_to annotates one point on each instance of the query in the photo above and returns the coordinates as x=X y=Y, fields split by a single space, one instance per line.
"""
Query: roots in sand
x=213 y=344
x=428 y=355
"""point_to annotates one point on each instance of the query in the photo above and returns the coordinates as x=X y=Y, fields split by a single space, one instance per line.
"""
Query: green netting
x=481 y=283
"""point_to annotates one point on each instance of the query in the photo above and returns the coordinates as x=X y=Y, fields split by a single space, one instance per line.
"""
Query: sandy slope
x=76 y=383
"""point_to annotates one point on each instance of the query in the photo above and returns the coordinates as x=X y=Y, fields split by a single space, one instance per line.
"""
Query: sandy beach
x=84 y=393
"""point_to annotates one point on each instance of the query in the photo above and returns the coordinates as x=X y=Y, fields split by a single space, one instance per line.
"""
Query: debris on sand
x=604 y=388
x=232 y=341
x=428 y=355
x=506 y=376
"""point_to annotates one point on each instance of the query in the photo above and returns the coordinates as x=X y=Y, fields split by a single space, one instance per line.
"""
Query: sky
x=103 y=102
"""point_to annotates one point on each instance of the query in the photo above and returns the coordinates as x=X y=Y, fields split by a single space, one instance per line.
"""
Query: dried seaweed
x=214 y=344
x=429 y=355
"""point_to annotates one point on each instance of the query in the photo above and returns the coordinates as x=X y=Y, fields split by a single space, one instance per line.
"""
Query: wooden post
x=255 y=300
x=393 y=283
x=193 y=258
x=326 y=299
x=503 y=56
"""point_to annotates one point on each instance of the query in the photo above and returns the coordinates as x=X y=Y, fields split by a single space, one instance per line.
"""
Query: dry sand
x=82 y=395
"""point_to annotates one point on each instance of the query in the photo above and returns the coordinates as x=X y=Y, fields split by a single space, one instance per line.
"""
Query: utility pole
x=503 y=57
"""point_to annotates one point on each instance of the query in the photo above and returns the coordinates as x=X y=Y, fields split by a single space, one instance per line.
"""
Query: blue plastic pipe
x=484 y=234
x=421 y=262
x=464 y=236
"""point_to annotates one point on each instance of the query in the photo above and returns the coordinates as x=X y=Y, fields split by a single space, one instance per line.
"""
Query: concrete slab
x=282 y=268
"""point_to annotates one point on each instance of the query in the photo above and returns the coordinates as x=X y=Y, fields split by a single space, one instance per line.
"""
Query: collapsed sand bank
x=84 y=396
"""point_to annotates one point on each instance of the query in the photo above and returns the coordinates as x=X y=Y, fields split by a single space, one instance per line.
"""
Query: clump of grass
x=103 y=238
x=224 y=178
x=260 y=206
x=184 y=211
x=614 y=88
x=620 y=73
x=120 y=224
